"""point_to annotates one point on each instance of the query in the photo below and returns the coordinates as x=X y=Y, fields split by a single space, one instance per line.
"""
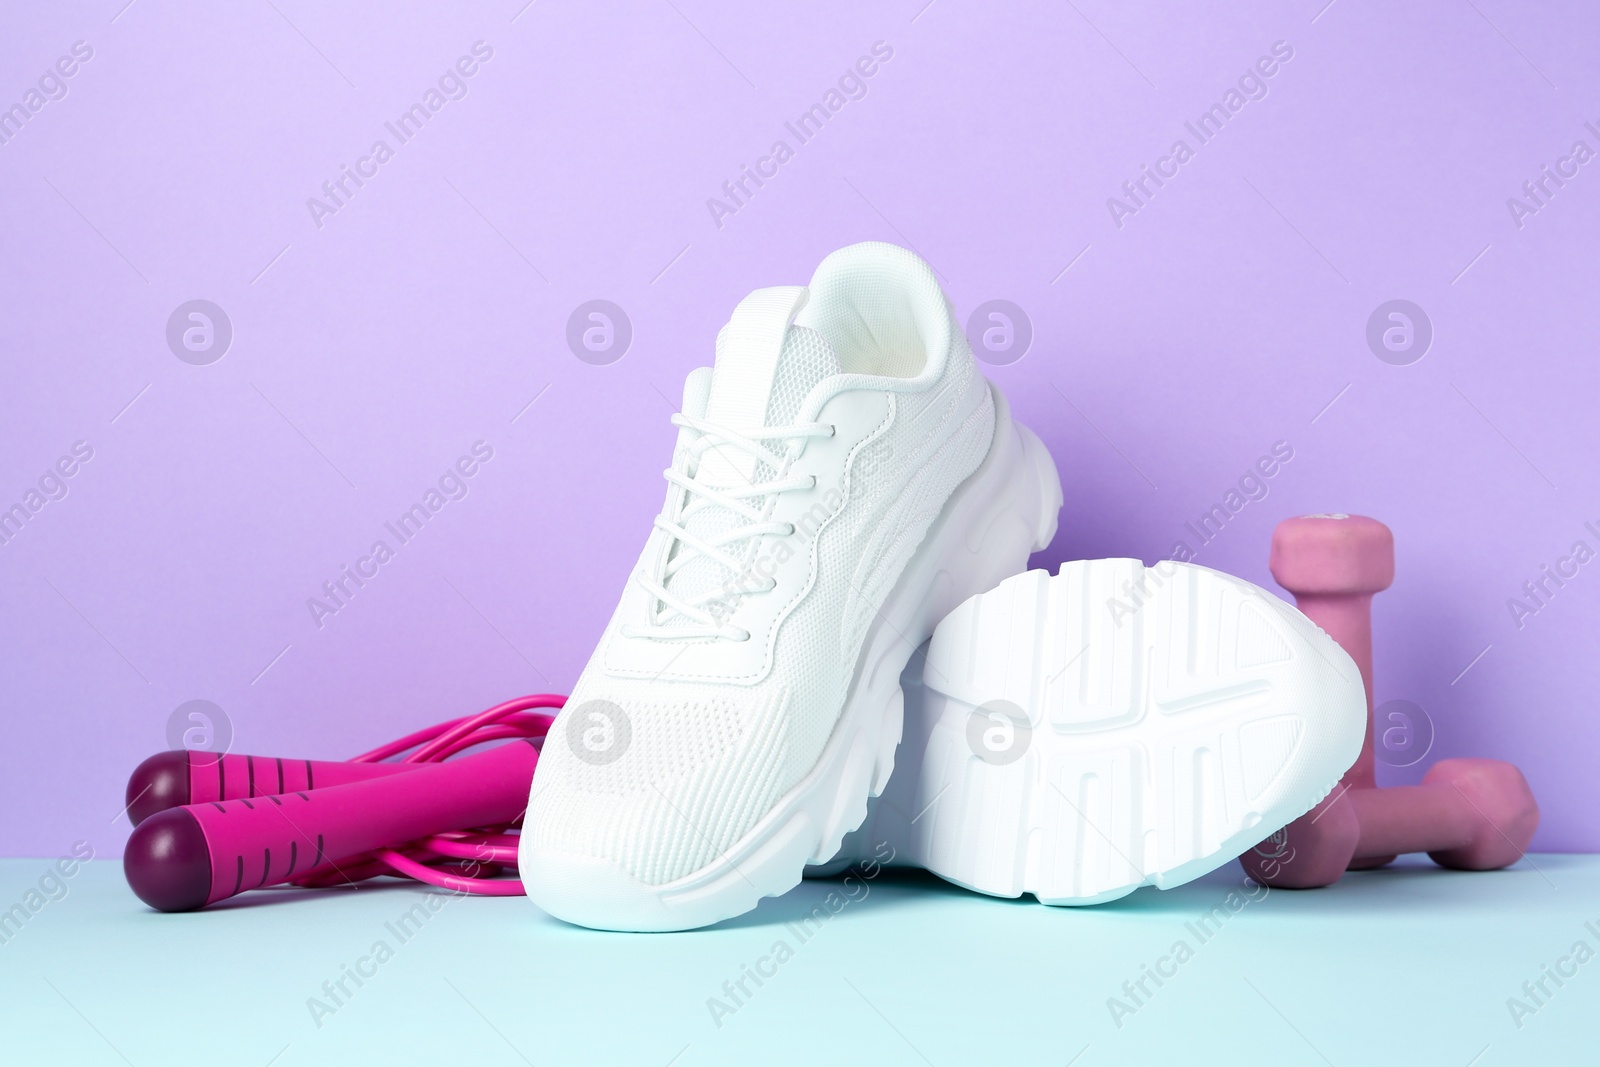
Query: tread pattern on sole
x=1174 y=716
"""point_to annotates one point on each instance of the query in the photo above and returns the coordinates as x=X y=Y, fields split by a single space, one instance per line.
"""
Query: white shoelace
x=685 y=545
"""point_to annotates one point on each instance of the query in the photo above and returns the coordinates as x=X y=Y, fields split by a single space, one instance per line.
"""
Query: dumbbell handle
x=1413 y=818
x=1347 y=618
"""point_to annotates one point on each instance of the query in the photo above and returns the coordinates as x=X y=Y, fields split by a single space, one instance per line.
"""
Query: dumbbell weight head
x=1332 y=555
x=1311 y=852
x=1504 y=812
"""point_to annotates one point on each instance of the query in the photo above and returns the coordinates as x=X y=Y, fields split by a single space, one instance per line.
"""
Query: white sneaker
x=1078 y=736
x=842 y=479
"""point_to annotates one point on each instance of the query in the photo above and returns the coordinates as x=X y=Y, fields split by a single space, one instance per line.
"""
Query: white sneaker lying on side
x=1077 y=736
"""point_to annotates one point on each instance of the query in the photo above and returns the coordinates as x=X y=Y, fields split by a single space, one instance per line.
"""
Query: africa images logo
x=851 y=85
x=1251 y=85
x=337 y=192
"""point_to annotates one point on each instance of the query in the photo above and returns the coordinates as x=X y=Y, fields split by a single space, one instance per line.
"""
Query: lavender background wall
x=374 y=345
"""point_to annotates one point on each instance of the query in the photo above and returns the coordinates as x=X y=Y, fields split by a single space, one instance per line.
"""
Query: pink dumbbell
x=1470 y=814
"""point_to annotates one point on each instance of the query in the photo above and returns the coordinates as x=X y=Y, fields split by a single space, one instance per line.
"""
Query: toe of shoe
x=596 y=892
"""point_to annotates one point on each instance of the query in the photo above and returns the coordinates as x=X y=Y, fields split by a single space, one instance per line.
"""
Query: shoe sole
x=1160 y=720
x=1007 y=508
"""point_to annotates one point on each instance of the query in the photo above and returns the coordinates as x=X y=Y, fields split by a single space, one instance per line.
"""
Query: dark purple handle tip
x=159 y=783
x=168 y=863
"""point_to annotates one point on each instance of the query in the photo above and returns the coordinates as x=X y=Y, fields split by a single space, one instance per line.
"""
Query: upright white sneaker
x=1080 y=735
x=842 y=479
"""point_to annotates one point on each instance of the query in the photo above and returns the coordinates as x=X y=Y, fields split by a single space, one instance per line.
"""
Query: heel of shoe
x=1007 y=510
x=1048 y=479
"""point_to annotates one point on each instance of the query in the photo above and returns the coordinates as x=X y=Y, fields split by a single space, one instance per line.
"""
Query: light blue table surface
x=1409 y=965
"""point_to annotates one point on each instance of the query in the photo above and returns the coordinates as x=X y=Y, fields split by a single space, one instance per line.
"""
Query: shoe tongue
x=765 y=368
x=750 y=352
